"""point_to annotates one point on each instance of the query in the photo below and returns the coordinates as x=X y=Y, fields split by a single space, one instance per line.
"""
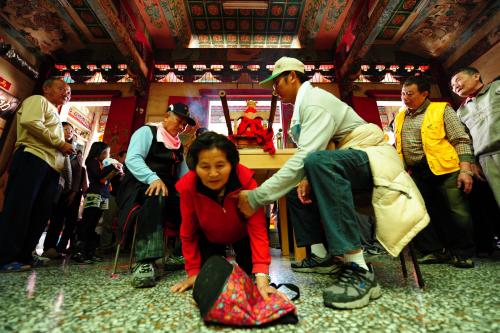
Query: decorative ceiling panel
x=214 y=26
x=166 y=22
x=439 y=24
x=321 y=22
x=88 y=18
x=399 y=17
x=39 y=23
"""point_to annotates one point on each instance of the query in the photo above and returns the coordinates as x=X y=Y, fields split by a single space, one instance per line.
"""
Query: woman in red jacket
x=210 y=216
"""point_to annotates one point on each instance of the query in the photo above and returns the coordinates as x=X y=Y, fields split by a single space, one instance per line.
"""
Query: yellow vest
x=441 y=155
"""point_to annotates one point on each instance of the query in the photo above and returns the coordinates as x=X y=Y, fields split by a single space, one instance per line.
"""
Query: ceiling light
x=245 y=4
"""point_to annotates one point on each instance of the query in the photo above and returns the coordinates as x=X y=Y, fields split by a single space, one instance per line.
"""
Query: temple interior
x=127 y=61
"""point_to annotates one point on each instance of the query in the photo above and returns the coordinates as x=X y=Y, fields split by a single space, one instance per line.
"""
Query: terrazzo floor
x=71 y=298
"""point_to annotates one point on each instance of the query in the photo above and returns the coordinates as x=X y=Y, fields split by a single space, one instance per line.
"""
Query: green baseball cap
x=284 y=64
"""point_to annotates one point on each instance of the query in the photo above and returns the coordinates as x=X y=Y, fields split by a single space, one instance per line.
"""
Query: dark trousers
x=88 y=239
x=333 y=176
x=29 y=195
x=485 y=216
x=241 y=249
x=70 y=223
x=300 y=216
x=63 y=220
x=156 y=212
x=448 y=207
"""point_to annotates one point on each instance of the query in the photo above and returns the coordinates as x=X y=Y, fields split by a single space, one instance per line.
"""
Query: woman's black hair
x=210 y=140
x=95 y=150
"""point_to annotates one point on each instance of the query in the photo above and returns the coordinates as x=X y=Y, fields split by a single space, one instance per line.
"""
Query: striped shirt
x=411 y=136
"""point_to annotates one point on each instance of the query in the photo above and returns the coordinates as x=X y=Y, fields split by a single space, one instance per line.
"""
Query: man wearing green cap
x=327 y=178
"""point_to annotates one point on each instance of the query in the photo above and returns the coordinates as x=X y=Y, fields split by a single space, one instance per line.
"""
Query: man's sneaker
x=462 y=262
x=81 y=259
x=143 y=275
x=51 y=254
x=39 y=261
x=171 y=263
x=174 y=263
x=374 y=250
x=315 y=264
x=439 y=257
x=97 y=258
x=353 y=288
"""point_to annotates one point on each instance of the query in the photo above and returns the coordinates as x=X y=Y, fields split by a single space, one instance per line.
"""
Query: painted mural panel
x=439 y=25
x=39 y=22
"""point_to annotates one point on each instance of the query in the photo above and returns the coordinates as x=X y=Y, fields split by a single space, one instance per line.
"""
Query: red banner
x=119 y=123
x=5 y=84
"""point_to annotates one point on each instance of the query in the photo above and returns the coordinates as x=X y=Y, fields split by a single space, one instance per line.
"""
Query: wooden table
x=264 y=166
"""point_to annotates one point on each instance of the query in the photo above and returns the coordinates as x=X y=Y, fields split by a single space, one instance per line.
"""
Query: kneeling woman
x=210 y=216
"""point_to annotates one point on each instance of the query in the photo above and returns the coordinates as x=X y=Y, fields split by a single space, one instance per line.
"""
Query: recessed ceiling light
x=245 y=4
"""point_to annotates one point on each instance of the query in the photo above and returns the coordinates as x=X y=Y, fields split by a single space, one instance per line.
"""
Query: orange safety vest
x=441 y=155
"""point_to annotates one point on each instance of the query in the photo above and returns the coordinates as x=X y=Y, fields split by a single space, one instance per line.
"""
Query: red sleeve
x=189 y=234
x=259 y=241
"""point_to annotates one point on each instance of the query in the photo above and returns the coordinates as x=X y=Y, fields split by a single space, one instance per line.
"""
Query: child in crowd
x=210 y=216
x=65 y=212
x=96 y=200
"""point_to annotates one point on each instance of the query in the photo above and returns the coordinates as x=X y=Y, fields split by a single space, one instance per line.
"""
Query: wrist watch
x=263 y=275
x=467 y=172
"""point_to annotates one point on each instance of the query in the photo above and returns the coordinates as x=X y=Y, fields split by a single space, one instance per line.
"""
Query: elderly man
x=34 y=175
x=480 y=113
x=436 y=149
x=363 y=161
x=153 y=163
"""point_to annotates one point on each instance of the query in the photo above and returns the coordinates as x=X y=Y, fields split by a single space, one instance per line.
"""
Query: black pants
x=88 y=239
x=448 y=207
x=485 y=215
x=241 y=248
x=29 y=195
x=156 y=212
x=302 y=216
x=63 y=219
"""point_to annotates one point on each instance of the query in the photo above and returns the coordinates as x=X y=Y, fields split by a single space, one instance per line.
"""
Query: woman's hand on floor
x=266 y=290
x=184 y=285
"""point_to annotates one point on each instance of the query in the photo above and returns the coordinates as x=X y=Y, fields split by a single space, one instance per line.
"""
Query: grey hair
x=49 y=82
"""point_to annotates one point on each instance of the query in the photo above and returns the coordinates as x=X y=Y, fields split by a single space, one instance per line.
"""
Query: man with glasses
x=147 y=190
x=327 y=179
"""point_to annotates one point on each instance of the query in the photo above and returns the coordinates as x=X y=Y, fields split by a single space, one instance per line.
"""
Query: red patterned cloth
x=240 y=303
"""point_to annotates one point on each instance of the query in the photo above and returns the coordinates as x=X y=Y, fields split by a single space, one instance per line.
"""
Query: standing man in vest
x=480 y=112
x=33 y=175
x=437 y=151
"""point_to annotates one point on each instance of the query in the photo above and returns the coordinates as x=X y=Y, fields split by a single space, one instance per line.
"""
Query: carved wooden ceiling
x=452 y=32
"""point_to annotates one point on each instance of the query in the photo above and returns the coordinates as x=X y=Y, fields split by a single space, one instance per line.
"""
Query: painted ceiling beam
x=119 y=34
x=365 y=30
x=242 y=55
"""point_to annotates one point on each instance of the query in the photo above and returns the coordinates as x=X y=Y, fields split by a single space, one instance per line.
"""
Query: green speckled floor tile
x=71 y=298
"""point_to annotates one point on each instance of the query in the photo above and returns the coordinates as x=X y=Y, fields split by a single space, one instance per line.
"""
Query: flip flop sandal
x=14 y=267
